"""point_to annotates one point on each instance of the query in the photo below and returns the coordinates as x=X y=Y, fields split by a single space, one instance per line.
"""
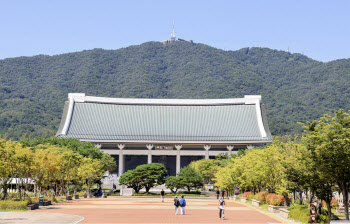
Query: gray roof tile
x=103 y=121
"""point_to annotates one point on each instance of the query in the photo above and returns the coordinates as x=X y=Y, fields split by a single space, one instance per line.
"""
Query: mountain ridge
x=294 y=88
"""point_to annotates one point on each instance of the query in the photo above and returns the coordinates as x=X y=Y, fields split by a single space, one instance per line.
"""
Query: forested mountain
x=294 y=88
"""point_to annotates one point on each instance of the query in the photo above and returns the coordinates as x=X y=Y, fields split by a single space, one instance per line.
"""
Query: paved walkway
x=38 y=217
x=149 y=210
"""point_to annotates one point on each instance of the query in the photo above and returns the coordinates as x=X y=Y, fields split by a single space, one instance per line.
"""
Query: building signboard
x=236 y=191
x=163 y=147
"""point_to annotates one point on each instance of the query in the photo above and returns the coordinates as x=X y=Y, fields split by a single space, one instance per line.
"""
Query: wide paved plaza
x=140 y=210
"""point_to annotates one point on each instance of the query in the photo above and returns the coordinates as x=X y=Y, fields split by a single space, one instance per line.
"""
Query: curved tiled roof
x=164 y=121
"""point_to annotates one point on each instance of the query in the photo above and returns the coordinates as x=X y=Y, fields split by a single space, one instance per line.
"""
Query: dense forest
x=294 y=88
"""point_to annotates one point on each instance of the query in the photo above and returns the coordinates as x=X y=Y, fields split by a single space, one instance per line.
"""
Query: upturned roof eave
x=177 y=142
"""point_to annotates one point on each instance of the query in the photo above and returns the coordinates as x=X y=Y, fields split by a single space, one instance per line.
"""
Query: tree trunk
x=301 y=197
x=293 y=195
x=329 y=210
x=345 y=201
x=75 y=189
x=5 y=193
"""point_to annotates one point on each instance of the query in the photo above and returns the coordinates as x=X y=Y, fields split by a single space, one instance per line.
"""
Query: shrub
x=334 y=203
x=262 y=196
x=274 y=199
x=14 y=205
x=34 y=199
x=52 y=199
x=252 y=196
x=246 y=194
x=268 y=197
x=299 y=213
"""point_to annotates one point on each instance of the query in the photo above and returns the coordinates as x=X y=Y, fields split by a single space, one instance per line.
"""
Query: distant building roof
x=101 y=119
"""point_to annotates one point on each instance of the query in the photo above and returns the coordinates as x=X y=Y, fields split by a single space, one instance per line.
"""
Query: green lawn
x=264 y=206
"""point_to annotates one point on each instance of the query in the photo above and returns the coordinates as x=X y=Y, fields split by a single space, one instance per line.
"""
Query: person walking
x=162 y=195
x=217 y=194
x=183 y=205
x=176 y=203
x=221 y=208
x=223 y=193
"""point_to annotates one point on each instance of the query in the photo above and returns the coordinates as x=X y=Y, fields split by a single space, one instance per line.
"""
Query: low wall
x=127 y=192
x=275 y=209
x=256 y=203
x=244 y=200
x=284 y=213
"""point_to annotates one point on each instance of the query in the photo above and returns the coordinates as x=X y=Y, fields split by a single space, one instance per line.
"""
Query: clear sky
x=319 y=29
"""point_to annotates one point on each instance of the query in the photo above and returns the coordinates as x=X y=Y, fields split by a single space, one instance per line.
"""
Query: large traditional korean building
x=169 y=131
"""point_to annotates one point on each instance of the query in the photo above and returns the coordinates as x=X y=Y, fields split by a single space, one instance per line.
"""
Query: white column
x=149 y=146
x=250 y=146
x=207 y=147
x=121 y=159
x=178 y=159
x=229 y=148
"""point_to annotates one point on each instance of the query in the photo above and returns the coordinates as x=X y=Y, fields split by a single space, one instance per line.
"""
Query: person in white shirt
x=221 y=208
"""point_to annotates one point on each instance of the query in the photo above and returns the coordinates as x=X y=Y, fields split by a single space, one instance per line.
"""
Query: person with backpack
x=183 y=205
x=221 y=208
x=176 y=203
x=162 y=195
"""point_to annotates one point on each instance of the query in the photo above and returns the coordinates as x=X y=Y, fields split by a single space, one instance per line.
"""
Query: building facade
x=169 y=131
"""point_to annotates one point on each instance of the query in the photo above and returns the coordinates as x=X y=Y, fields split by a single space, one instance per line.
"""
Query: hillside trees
x=293 y=87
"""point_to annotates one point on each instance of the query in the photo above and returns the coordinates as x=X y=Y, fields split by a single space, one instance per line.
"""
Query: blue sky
x=319 y=29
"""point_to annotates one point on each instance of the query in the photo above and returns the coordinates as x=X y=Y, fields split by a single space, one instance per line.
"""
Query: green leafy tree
x=151 y=175
x=190 y=178
x=328 y=141
x=207 y=168
x=172 y=183
x=130 y=180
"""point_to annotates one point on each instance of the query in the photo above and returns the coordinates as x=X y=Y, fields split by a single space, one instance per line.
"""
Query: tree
x=207 y=168
x=90 y=171
x=131 y=181
x=328 y=140
x=172 y=183
x=25 y=158
x=9 y=163
x=151 y=175
x=190 y=178
x=108 y=162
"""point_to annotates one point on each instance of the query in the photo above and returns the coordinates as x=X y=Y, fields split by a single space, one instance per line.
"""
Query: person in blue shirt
x=183 y=205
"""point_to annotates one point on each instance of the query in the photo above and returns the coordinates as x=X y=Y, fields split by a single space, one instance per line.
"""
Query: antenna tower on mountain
x=173 y=36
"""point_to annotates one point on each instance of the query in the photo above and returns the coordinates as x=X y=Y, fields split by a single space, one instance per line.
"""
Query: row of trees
x=53 y=166
x=153 y=174
x=318 y=162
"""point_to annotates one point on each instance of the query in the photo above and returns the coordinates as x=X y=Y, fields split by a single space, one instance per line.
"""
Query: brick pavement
x=151 y=210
